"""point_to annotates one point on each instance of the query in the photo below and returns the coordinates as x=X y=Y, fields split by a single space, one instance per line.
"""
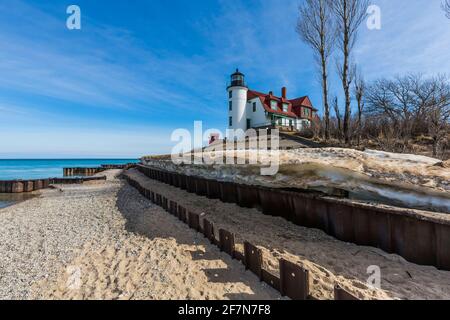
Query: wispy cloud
x=55 y=64
x=115 y=77
x=415 y=37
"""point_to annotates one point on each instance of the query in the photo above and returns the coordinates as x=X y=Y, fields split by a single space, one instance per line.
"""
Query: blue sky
x=138 y=70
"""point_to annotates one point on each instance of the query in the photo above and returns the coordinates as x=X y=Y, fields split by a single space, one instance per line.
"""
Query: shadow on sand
x=146 y=219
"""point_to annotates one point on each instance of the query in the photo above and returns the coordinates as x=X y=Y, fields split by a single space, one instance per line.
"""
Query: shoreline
x=35 y=169
x=11 y=199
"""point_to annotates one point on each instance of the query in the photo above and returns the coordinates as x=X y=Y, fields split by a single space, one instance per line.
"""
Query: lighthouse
x=237 y=104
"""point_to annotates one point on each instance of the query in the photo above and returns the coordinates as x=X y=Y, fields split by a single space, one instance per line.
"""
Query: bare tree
x=438 y=110
x=315 y=27
x=349 y=14
x=446 y=7
x=393 y=99
x=412 y=106
x=337 y=113
x=359 y=91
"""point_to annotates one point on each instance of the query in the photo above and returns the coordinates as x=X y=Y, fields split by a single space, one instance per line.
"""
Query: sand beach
x=105 y=241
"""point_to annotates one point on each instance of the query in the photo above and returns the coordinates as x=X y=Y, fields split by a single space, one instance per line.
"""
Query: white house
x=252 y=109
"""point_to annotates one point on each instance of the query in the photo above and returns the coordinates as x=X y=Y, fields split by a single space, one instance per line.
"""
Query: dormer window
x=274 y=104
x=285 y=107
x=307 y=112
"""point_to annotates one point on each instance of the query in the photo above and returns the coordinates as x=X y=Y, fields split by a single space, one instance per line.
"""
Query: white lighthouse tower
x=237 y=105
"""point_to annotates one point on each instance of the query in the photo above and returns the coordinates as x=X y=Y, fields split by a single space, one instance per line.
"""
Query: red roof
x=294 y=109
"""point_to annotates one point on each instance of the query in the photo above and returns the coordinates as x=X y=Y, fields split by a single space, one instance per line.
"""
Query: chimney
x=283 y=92
x=270 y=93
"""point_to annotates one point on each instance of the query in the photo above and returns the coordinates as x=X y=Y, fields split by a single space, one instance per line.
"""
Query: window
x=254 y=106
x=230 y=94
x=248 y=124
x=285 y=107
x=230 y=106
x=230 y=122
x=305 y=112
x=274 y=105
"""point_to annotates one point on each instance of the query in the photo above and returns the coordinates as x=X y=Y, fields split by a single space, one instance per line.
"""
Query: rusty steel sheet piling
x=153 y=197
x=208 y=231
x=165 y=204
x=182 y=181
x=190 y=185
x=28 y=186
x=16 y=187
x=341 y=222
x=200 y=185
x=37 y=184
x=247 y=196
x=212 y=189
x=179 y=210
x=253 y=259
x=194 y=221
x=158 y=199
x=170 y=207
x=238 y=256
x=226 y=241
x=176 y=180
x=165 y=177
x=391 y=229
x=173 y=208
x=182 y=214
x=294 y=281
x=271 y=279
x=407 y=231
x=228 y=192
x=277 y=204
x=341 y=294
x=45 y=183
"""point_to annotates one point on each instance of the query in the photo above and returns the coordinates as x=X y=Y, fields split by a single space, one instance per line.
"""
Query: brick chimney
x=283 y=92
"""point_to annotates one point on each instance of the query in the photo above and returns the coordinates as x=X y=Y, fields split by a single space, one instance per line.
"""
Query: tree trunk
x=359 y=122
x=325 y=97
x=345 y=82
x=435 y=146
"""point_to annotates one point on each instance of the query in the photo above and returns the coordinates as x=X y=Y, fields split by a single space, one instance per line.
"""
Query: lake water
x=41 y=169
x=8 y=199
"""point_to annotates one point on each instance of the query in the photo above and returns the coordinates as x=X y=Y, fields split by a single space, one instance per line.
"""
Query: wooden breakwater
x=20 y=186
x=70 y=172
x=419 y=237
x=71 y=176
x=23 y=186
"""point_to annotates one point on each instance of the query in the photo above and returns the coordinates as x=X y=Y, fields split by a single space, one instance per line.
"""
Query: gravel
x=40 y=235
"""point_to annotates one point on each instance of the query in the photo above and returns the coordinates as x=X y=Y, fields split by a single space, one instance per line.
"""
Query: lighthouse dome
x=238 y=79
